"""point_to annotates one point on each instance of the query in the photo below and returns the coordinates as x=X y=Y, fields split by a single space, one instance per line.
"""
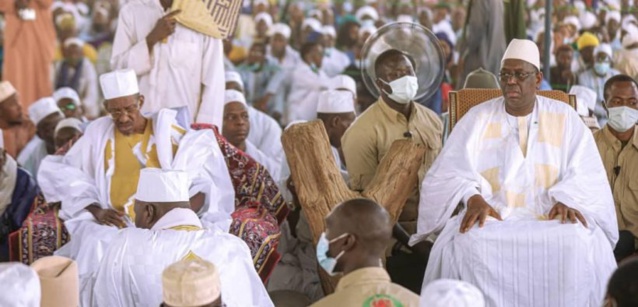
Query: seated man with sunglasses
x=526 y=170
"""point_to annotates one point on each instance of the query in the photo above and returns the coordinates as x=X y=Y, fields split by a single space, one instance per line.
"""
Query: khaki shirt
x=369 y=138
x=621 y=165
x=369 y=287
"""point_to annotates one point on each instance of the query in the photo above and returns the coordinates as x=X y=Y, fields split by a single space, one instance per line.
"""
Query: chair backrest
x=463 y=100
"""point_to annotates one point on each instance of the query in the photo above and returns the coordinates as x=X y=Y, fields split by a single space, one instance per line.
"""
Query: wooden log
x=320 y=186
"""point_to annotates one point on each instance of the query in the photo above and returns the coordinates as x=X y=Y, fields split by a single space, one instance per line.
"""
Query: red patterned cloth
x=259 y=206
x=41 y=234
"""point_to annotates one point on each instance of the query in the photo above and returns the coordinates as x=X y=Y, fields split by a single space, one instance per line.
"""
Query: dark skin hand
x=477 y=211
x=108 y=217
x=566 y=213
x=164 y=27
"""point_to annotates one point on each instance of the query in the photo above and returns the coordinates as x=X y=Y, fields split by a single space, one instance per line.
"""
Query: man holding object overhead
x=177 y=67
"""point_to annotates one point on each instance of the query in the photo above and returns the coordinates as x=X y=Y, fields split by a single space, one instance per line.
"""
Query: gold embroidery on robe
x=550 y=128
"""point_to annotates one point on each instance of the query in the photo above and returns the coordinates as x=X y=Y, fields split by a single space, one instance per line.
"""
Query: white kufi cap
x=335 y=102
x=523 y=49
x=71 y=122
x=263 y=16
x=588 y=20
x=6 y=90
x=604 y=48
x=233 y=76
x=329 y=30
x=20 y=285
x=119 y=83
x=312 y=23
x=367 y=11
x=282 y=29
x=190 y=283
x=67 y=93
x=451 y=293
x=585 y=99
x=343 y=82
x=234 y=96
x=615 y=15
x=162 y=186
x=43 y=108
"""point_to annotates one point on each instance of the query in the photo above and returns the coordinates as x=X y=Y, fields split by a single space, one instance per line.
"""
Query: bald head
x=365 y=219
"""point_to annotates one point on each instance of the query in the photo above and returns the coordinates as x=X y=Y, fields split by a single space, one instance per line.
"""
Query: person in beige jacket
x=618 y=146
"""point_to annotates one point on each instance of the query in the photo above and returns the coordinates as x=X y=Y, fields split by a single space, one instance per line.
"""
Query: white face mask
x=403 y=89
x=622 y=119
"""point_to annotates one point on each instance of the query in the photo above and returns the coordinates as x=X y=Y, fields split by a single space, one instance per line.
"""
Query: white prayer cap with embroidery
x=119 y=83
x=42 y=108
x=233 y=76
x=329 y=30
x=67 y=93
x=71 y=122
x=312 y=23
x=162 y=186
x=6 y=90
x=265 y=17
x=335 y=102
x=343 y=82
x=449 y=292
x=367 y=11
x=234 y=96
x=20 y=285
x=282 y=29
x=525 y=50
x=190 y=283
x=59 y=281
x=585 y=99
x=73 y=41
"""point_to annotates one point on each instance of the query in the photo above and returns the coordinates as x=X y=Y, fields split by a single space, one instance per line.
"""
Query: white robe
x=265 y=133
x=131 y=273
x=269 y=162
x=523 y=260
x=32 y=155
x=304 y=94
x=186 y=71
x=79 y=179
x=334 y=62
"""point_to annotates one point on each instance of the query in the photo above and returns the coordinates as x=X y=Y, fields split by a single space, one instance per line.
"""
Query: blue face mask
x=326 y=262
x=602 y=68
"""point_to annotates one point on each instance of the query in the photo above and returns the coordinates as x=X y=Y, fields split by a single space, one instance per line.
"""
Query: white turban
x=451 y=293
x=68 y=123
x=572 y=20
x=265 y=17
x=67 y=93
x=588 y=20
x=615 y=15
x=312 y=23
x=585 y=99
x=20 y=285
x=335 y=102
x=73 y=41
x=43 y=108
x=523 y=49
x=190 y=283
x=627 y=21
x=234 y=96
x=631 y=37
x=367 y=11
x=119 y=83
x=162 y=186
x=233 y=76
x=282 y=29
x=604 y=48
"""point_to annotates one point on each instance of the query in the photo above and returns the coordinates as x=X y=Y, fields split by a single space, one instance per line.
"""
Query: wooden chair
x=462 y=101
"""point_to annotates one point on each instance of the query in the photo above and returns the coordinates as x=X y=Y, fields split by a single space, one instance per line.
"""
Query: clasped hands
x=478 y=210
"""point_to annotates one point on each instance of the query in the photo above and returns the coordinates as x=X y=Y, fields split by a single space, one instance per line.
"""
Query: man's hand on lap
x=477 y=210
x=566 y=213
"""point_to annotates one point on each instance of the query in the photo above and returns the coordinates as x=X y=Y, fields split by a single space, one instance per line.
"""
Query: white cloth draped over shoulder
x=81 y=178
x=131 y=273
x=187 y=70
x=524 y=260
